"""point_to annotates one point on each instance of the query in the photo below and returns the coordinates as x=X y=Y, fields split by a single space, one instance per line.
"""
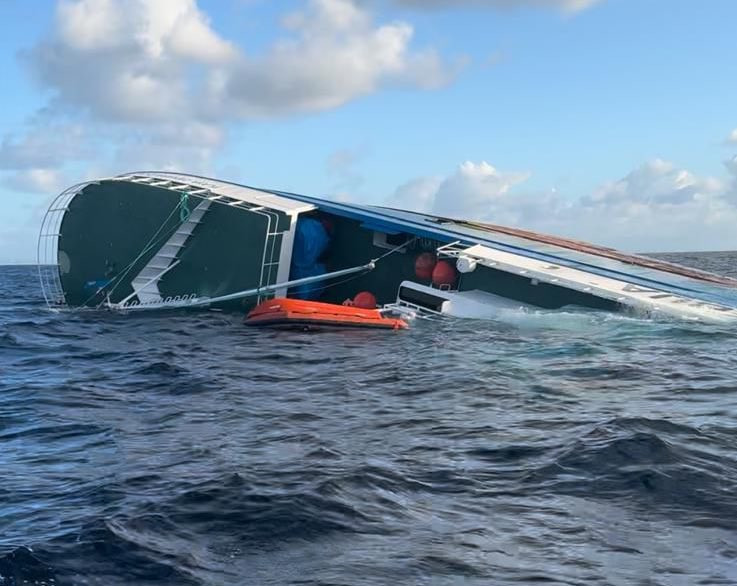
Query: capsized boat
x=157 y=240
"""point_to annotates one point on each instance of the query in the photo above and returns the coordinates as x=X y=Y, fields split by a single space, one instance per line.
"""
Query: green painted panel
x=224 y=255
x=108 y=225
x=523 y=290
x=105 y=229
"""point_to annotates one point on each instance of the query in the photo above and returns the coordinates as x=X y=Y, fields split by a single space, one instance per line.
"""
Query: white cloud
x=475 y=188
x=164 y=29
x=155 y=85
x=335 y=54
x=657 y=206
x=732 y=138
x=567 y=5
x=657 y=182
x=43 y=145
x=37 y=180
x=473 y=191
x=187 y=147
x=37 y=160
x=128 y=60
x=150 y=62
x=417 y=194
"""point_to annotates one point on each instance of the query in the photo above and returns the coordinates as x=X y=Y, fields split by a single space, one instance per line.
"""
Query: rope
x=393 y=250
x=184 y=207
x=351 y=278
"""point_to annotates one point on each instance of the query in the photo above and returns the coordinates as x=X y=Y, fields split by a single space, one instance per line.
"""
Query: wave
x=181 y=448
x=647 y=462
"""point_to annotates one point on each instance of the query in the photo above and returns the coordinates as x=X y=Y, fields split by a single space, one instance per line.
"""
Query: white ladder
x=270 y=263
x=145 y=284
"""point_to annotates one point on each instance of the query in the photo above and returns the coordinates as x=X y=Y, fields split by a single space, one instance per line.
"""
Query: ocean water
x=185 y=449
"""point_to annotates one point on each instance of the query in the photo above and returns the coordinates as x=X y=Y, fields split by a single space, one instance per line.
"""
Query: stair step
x=149 y=289
x=149 y=298
x=146 y=281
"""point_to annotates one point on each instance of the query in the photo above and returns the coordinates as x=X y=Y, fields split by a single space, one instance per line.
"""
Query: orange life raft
x=299 y=313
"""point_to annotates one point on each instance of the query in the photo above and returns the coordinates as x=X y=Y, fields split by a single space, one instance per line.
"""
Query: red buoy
x=444 y=273
x=424 y=265
x=365 y=300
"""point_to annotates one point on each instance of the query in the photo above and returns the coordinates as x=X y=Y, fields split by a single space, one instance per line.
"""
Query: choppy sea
x=184 y=449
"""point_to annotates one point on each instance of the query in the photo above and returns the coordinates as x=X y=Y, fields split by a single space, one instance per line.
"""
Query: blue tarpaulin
x=311 y=240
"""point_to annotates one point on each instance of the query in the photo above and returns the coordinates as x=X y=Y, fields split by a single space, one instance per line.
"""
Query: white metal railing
x=49 y=264
x=451 y=250
x=270 y=260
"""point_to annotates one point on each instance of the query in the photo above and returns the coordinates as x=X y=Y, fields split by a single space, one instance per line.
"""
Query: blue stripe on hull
x=390 y=221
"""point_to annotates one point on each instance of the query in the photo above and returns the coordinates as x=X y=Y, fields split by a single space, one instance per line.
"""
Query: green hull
x=113 y=229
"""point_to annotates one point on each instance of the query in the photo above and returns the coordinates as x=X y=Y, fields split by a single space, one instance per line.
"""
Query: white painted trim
x=256 y=197
x=645 y=299
x=285 y=256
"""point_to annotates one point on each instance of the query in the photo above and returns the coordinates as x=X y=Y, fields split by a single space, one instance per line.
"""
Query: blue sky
x=608 y=120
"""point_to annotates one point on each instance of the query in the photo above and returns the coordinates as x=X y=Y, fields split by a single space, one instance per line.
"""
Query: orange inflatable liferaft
x=301 y=313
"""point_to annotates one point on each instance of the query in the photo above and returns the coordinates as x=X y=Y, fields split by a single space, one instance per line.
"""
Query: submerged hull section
x=156 y=240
